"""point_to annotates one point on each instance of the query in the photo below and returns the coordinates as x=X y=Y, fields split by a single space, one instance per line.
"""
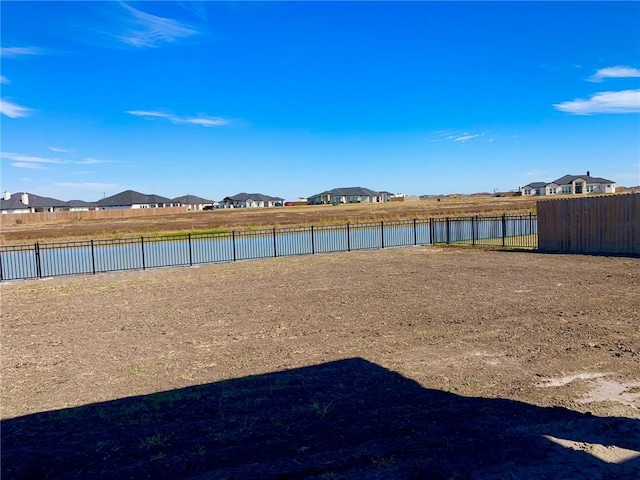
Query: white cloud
x=33 y=166
x=4 y=80
x=146 y=30
x=21 y=158
x=614 y=72
x=13 y=110
x=90 y=161
x=59 y=150
x=462 y=137
x=88 y=185
x=204 y=121
x=12 y=52
x=625 y=101
x=26 y=179
x=465 y=138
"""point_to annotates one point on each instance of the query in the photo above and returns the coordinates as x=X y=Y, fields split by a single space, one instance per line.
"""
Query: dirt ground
x=239 y=219
x=407 y=363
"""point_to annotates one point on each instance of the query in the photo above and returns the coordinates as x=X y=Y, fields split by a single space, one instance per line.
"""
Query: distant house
x=251 y=200
x=193 y=202
x=133 y=199
x=348 y=195
x=80 y=206
x=296 y=202
x=24 y=202
x=570 y=185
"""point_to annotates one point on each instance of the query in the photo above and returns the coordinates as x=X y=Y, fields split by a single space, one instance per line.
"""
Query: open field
x=70 y=227
x=420 y=362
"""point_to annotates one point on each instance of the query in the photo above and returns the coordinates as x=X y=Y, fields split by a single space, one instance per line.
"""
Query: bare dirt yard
x=411 y=363
x=69 y=226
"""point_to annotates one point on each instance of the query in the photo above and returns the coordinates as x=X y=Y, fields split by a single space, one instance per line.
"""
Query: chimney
x=7 y=195
x=588 y=173
x=25 y=198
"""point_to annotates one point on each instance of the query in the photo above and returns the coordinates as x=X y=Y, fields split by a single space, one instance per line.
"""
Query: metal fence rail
x=96 y=256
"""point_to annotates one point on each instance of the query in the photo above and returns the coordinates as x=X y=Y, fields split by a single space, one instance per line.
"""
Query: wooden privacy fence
x=600 y=225
x=43 y=217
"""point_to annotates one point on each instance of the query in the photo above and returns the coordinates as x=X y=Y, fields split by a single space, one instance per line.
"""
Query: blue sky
x=293 y=98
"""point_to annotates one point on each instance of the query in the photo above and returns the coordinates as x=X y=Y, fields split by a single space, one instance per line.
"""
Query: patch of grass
x=383 y=462
x=152 y=441
x=320 y=410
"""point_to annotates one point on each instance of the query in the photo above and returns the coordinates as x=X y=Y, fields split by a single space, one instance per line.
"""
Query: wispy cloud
x=625 y=101
x=90 y=161
x=202 y=120
x=144 y=30
x=88 y=185
x=619 y=71
x=12 y=52
x=13 y=110
x=4 y=80
x=465 y=138
x=31 y=159
x=33 y=166
x=59 y=150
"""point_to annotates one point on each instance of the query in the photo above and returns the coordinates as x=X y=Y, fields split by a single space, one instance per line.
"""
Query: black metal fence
x=95 y=256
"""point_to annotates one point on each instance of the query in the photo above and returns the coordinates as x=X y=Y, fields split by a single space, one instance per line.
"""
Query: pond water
x=54 y=259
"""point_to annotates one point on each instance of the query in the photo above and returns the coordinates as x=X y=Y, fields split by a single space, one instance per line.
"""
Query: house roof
x=79 y=203
x=537 y=184
x=349 y=192
x=243 y=197
x=35 y=201
x=567 y=179
x=192 y=200
x=131 y=197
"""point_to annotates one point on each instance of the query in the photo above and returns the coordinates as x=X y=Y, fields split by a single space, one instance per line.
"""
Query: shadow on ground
x=349 y=419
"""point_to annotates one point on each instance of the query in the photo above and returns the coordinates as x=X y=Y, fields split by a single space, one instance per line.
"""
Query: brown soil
x=406 y=363
x=260 y=217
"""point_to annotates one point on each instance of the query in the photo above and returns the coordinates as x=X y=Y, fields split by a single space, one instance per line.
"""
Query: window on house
x=590 y=188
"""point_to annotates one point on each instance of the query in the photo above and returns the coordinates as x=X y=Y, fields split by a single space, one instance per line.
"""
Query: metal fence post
x=1 y=276
x=382 y=232
x=275 y=252
x=348 y=238
x=530 y=223
x=93 y=258
x=415 y=232
x=473 y=232
x=448 y=232
x=142 y=249
x=38 y=265
x=431 y=232
x=313 y=247
x=504 y=228
x=190 y=253
x=233 y=242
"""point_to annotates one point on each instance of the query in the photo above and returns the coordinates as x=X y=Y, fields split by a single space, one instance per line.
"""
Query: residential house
x=296 y=202
x=193 y=202
x=251 y=200
x=570 y=185
x=133 y=199
x=348 y=195
x=24 y=202
x=80 y=206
